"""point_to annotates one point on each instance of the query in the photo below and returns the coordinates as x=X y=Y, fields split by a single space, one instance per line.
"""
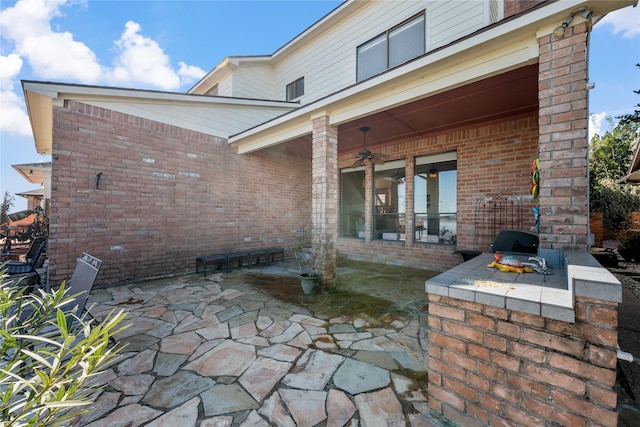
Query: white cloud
x=595 y=127
x=54 y=54
x=13 y=118
x=625 y=21
x=142 y=61
x=189 y=73
x=50 y=54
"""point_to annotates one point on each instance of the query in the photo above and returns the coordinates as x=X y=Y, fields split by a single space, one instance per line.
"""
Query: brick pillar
x=325 y=190
x=562 y=94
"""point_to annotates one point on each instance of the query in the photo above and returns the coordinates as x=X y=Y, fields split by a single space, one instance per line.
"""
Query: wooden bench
x=217 y=258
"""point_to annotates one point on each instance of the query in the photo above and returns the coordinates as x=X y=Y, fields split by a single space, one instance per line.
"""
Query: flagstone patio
x=247 y=348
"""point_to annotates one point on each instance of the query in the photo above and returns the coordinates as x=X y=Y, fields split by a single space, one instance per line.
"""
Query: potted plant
x=310 y=251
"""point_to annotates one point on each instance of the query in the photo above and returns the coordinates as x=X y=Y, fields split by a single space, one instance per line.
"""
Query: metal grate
x=493 y=213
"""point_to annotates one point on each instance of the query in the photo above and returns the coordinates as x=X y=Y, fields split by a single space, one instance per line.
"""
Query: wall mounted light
x=98 y=176
x=582 y=11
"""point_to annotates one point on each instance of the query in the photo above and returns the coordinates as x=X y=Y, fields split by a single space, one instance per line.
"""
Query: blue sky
x=169 y=45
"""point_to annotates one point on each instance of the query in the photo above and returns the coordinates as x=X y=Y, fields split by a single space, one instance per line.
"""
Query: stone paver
x=357 y=377
x=223 y=352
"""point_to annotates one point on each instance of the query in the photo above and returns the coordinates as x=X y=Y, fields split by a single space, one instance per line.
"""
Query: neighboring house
x=40 y=174
x=633 y=175
x=460 y=97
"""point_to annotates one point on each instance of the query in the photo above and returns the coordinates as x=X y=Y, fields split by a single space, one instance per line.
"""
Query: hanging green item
x=535 y=179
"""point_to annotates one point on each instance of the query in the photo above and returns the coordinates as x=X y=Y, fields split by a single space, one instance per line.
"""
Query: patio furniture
x=81 y=283
x=516 y=241
x=35 y=258
x=79 y=286
x=239 y=257
x=217 y=258
x=268 y=253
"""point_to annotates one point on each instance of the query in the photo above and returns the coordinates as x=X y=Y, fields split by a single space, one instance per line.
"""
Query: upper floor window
x=393 y=47
x=295 y=89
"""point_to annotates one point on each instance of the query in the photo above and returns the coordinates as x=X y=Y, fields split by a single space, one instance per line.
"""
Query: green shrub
x=616 y=202
x=48 y=358
x=629 y=247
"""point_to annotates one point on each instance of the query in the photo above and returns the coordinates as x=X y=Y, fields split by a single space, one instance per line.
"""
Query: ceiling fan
x=398 y=178
x=366 y=154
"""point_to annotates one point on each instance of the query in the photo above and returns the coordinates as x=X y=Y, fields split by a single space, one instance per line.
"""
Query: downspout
x=627 y=357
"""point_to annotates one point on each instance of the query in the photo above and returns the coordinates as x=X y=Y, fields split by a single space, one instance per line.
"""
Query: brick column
x=493 y=366
x=563 y=150
x=325 y=190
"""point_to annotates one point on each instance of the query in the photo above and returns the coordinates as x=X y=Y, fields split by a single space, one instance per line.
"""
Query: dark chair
x=79 y=286
x=516 y=241
x=33 y=246
x=34 y=257
x=81 y=283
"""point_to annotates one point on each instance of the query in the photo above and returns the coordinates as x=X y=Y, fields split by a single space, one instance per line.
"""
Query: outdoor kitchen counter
x=549 y=295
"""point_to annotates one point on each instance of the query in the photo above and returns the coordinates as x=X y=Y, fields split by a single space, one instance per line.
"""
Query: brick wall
x=492 y=158
x=597 y=228
x=166 y=195
x=562 y=86
x=635 y=221
x=513 y=7
x=493 y=366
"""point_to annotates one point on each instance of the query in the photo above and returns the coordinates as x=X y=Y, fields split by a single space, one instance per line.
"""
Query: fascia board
x=62 y=91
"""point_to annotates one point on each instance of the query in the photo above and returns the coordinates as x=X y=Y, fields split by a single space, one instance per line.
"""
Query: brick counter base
x=493 y=366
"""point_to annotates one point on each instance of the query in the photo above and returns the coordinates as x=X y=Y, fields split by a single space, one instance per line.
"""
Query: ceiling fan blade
x=377 y=160
x=381 y=156
x=357 y=163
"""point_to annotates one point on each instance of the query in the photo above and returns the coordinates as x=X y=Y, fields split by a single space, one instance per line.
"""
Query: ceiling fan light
x=433 y=173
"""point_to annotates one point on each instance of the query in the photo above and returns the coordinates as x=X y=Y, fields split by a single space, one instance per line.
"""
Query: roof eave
x=537 y=22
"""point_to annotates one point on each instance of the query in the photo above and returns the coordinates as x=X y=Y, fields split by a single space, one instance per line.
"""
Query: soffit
x=511 y=94
x=35 y=173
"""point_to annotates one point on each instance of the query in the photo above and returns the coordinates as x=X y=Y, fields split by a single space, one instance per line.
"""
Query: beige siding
x=225 y=84
x=451 y=20
x=327 y=59
x=254 y=81
x=220 y=120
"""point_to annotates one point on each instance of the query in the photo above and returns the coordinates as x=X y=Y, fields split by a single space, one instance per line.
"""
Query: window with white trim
x=435 y=198
x=352 y=202
x=295 y=89
x=393 y=47
x=389 y=195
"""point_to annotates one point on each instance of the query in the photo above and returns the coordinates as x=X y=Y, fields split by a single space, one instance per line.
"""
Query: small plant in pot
x=310 y=251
